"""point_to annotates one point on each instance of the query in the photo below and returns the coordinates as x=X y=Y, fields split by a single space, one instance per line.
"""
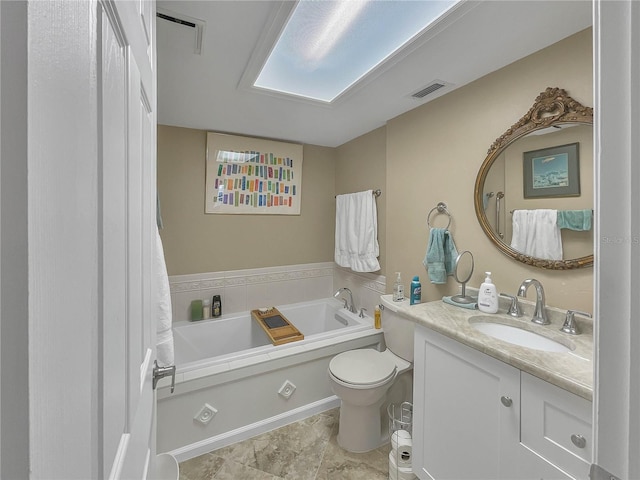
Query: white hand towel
x=164 y=332
x=536 y=233
x=356 y=244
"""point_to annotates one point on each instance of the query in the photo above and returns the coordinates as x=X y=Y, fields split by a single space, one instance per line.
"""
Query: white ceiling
x=212 y=91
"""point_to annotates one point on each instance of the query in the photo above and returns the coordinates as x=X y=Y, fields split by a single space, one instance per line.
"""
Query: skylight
x=327 y=46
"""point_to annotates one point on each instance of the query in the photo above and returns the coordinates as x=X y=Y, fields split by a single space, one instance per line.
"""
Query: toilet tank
x=397 y=330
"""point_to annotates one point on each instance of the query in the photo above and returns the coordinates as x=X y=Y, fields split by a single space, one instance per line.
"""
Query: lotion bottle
x=488 y=296
x=416 y=291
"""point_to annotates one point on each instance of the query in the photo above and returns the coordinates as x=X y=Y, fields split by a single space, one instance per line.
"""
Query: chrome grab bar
x=499 y=197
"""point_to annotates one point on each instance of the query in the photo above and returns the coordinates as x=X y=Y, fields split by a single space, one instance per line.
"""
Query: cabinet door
x=533 y=466
x=556 y=425
x=466 y=414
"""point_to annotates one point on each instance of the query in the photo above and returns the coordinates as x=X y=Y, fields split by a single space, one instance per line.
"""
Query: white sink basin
x=517 y=336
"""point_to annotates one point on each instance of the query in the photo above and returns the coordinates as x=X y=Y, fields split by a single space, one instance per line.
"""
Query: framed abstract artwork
x=247 y=175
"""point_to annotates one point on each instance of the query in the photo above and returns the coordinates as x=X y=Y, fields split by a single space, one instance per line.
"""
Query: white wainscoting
x=243 y=290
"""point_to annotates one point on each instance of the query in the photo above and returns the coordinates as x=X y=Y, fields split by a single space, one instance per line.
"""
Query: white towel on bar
x=357 y=232
x=164 y=318
x=536 y=233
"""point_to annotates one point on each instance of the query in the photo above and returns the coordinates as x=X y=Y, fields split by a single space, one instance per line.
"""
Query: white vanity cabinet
x=466 y=408
x=476 y=417
x=556 y=425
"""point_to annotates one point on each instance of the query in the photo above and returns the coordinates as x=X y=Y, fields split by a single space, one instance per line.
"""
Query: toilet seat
x=363 y=368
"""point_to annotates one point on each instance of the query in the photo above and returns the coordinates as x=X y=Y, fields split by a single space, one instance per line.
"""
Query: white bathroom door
x=91 y=213
x=127 y=209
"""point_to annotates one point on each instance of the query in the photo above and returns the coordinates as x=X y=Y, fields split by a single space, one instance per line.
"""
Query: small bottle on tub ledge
x=216 y=306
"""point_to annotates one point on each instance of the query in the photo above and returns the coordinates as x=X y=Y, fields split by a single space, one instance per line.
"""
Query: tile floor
x=305 y=450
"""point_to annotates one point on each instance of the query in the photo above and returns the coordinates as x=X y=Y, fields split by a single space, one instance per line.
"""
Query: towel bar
x=511 y=211
x=441 y=208
x=377 y=192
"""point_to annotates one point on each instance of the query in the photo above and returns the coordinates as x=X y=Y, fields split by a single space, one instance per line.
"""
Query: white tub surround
x=232 y=384
x=366 y=287
x=243 y=290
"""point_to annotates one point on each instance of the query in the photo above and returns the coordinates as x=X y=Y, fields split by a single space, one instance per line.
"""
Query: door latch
x=161 y=372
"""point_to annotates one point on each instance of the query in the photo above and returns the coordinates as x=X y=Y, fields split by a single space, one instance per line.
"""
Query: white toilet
x=366 y=380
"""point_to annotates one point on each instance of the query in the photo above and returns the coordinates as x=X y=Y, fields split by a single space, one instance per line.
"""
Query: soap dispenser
x=398 y=289
x=488 y=296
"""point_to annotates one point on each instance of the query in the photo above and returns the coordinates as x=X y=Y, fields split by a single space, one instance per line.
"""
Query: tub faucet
x=539 y=313
x=350 y=306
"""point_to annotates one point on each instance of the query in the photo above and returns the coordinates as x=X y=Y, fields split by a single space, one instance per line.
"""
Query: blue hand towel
x=578 y=220
x=441 y=255
x=485 y=200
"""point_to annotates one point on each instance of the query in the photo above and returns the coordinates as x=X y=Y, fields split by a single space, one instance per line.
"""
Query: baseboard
x=243 y=433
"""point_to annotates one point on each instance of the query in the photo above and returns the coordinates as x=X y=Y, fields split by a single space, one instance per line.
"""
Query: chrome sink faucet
x=349 y=306
x=539 y=313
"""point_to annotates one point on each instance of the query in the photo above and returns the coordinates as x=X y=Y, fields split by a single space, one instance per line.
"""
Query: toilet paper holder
x=400 y=416
x=400 y=428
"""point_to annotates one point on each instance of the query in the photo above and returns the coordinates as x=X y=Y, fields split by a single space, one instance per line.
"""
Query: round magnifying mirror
x=462 y=273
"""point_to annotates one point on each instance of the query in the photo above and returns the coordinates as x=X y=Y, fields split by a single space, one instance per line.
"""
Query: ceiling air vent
x=429 y=89
x=180 y=31
x=180 y=21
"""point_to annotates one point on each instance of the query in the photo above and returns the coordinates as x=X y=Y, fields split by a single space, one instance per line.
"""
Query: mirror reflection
x=504 y=194
x=534 y=191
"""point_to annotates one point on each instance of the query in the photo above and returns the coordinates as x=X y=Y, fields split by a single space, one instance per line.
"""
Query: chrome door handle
x=579 y=441
x=506 y=401
x=161 y=372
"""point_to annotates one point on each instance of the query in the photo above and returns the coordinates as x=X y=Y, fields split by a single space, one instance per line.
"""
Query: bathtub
x=232 y=383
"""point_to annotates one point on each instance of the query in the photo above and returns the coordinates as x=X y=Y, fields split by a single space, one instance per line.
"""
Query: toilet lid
x=362 y=367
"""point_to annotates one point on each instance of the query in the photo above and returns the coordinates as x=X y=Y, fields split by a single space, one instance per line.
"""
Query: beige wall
x=361 y=165
x=435 y=151
x=418 y=159
x=196 y=243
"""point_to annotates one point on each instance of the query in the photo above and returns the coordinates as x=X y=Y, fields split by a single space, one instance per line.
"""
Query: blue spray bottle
x=416 y=291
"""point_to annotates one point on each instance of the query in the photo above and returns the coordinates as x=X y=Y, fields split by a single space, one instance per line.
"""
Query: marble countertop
x=571 y=371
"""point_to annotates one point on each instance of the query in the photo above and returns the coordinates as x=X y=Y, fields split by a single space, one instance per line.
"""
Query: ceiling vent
x=180 y=30
x=429 y=89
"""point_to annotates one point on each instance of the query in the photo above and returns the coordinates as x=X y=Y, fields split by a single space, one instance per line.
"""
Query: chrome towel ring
x=440 y=208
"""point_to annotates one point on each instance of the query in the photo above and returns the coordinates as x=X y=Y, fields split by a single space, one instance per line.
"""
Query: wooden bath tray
x=276 y=326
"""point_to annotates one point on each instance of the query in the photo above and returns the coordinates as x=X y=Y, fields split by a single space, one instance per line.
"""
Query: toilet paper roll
x=406 y=476
x=393 y=462
x=399 y=436
x=399 y=473
x=403 y=452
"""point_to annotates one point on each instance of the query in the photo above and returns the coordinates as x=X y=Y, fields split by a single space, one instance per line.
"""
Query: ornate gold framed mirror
x=558 y=124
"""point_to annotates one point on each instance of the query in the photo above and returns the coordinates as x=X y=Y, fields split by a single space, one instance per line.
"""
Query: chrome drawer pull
x=579 y=441
x=506 y=401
